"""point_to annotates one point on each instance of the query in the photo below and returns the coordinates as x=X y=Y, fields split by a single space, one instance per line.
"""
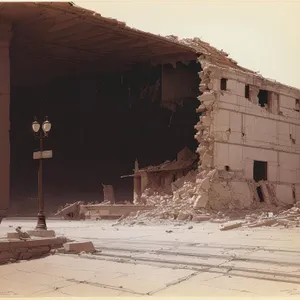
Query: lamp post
x=40 y=132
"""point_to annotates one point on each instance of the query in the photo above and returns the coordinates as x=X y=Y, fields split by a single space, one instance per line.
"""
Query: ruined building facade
x=249 y=134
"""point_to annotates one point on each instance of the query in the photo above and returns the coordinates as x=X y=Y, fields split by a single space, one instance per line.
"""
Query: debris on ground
x=203 y=196
x=22 y=234
x=225 y=227
x=71 y=211
x=79 y=247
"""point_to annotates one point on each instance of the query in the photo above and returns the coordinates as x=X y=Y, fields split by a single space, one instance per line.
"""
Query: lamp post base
x=41 y=223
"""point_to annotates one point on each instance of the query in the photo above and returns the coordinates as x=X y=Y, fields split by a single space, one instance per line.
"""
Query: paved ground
x=147 y=260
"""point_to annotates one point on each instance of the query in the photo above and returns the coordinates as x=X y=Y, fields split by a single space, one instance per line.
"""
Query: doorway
x=260 y=171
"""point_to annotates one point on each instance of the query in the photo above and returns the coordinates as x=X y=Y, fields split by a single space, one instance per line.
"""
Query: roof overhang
x=57 y=39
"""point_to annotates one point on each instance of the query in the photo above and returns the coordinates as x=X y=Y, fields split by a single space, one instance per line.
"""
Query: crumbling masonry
x=248 y=138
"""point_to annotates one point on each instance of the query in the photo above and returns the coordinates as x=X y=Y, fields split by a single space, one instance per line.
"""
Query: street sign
x=43 y=154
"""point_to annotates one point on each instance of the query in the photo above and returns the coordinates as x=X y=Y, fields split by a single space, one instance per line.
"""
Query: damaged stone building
x=244 y=128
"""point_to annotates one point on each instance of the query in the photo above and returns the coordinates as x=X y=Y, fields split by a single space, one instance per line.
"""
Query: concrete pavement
x=161 y=260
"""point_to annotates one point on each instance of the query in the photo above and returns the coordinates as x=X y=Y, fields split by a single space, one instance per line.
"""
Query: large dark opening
x=263 y=98
x=100 y=125
x=260 y=169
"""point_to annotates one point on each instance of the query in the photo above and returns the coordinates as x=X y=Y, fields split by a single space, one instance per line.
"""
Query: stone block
x=52 y=242
x=231 y=226
x=182 y=216
x=201 y=201
x=77 y=247
x=20 y=249
x=13 y=235
x=205 y=184
x=41 y=233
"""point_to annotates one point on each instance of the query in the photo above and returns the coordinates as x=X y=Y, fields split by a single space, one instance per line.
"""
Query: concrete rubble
x=71 y=211
x=211 y=195
x=98 y=211
x=205 y=195
x=79 y=247
x=12 y=250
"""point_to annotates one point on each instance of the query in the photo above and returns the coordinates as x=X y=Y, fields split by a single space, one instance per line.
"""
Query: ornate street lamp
x=40 y=132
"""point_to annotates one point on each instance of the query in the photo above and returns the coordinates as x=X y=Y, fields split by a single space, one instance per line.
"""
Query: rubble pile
x=215 y=196
x=286 y=218
x=188 y=201
x=191 y=196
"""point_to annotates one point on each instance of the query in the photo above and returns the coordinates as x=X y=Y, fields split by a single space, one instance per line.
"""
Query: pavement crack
x=105 y=286
x=180 y=280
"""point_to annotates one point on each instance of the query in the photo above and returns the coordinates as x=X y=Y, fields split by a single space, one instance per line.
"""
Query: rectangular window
x=247 y=91
x=263 y=98
x=224 y=84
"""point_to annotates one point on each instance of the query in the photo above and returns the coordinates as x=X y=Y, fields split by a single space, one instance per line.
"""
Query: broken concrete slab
x=41 y=233
x=70 y=211
x=225 y=227
x=31 y=233
x=78 y=247
x=16 y=249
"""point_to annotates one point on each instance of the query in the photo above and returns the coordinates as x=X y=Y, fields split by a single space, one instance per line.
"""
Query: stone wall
x=235 y=130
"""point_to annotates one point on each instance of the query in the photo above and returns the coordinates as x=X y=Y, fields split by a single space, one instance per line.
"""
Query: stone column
x=5 y=37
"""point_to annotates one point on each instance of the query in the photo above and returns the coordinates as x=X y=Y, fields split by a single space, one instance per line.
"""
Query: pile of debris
x=205 y=195
x=214 y=196
x=286 y=218
x=228 y=220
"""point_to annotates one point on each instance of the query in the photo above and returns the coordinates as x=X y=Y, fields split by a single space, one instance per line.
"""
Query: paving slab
x=239 y=261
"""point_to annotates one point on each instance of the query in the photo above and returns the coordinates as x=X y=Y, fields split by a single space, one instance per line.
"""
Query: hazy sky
x=261 y=35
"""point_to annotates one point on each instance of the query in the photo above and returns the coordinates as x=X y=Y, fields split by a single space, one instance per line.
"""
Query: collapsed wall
x=220 y=183
x=218 y=189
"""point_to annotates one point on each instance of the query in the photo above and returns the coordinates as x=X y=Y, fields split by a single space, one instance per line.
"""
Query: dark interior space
x=263 y=97
x=247 y=91
x=297 y=105
x=223 y=84
x=100 y=125
x=260 y=170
